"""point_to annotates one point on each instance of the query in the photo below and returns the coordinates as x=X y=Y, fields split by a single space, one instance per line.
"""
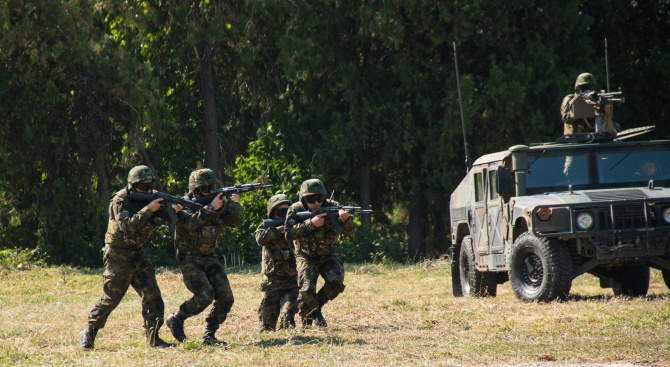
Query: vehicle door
x=494 y=214
x=480 y=236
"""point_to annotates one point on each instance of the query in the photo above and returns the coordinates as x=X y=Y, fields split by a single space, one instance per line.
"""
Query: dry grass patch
x=388 y=315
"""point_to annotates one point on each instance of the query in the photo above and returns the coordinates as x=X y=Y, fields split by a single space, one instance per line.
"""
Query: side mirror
x=503 y=180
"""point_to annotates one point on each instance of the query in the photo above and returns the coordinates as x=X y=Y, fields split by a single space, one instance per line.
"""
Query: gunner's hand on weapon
x=344 y=215
x=319 y=220
x=177 y=208
x=217 y=203
x=235 y=198
x=155 y=205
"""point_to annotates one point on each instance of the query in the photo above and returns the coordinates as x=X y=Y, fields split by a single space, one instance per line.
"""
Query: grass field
x=388 y=316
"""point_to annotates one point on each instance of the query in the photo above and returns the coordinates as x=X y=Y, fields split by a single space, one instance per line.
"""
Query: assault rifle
x=599 y=99
x=168 y=201
x=332 y=211
x=603 y=98
x=228 y=191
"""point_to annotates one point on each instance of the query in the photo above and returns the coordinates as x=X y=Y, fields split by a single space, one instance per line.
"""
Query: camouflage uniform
x=315 y=254
x=572 y=125
x=131 y=224
x=279 y=284
x=203 y=274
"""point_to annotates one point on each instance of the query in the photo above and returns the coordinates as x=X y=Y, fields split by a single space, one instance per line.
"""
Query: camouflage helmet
x=584 y=79
x=312 y=187
x=202 y=177
x=277 y=200
x=139 y=174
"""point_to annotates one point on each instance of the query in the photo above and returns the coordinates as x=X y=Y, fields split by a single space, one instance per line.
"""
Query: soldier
x=572 y=102
x=279 y=285
x=130 y=225
x=315 y=241
x=197 y=241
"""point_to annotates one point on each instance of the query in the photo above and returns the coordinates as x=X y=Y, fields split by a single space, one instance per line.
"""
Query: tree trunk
x=208 y=94
x=366 y=200
x=103 y=187
x=417 y=213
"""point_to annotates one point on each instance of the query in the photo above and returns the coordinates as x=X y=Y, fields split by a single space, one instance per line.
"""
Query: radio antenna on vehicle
x=607 y=68
x=468 y=163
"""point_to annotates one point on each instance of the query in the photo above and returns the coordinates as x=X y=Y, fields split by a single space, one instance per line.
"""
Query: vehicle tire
x=454 y=259
x=540 y=269
x=632 y=281
x=666 y=277
x=474 y=283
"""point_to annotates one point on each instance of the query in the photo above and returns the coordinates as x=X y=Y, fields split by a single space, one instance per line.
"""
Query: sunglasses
x=314 y=199
x=207 y=188
x=145 y=186
x=280 y=213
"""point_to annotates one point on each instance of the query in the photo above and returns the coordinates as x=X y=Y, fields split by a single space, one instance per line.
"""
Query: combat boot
x=87 y=337
x=319 y=320
x=151 y=331
x=176 y=326
x=208 y=338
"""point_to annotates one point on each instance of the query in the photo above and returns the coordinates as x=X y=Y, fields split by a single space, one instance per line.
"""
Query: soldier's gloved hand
x=319 y=220
x=217 y=203
x=155 y=205
x=344 y=215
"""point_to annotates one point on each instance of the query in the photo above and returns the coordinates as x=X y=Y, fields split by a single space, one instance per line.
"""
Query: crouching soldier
x=279 y=285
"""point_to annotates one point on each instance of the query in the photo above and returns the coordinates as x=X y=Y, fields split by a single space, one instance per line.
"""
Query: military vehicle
x=542 y=215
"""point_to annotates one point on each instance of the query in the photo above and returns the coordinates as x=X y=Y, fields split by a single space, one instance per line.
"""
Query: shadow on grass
x=308 y=340
x=609 y=297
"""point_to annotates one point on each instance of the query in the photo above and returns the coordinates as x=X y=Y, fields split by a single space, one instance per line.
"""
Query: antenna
x=468 y=163
x=607 y=68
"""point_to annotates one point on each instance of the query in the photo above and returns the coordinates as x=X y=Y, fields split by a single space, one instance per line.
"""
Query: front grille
x=622 y=217
x=629 y=217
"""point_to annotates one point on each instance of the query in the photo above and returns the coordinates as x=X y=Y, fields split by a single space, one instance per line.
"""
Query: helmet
x=140 y=173
x=202 y=177
x=312 y=187
x=277 y=200
x=584 y=79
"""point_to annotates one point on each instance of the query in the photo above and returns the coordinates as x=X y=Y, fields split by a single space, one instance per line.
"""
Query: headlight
x=666 y=215
x=585 y=220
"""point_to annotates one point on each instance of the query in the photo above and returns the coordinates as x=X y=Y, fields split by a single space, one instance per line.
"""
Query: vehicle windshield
x=635 y=166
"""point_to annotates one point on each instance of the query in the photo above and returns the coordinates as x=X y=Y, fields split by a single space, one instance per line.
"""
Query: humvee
x=542 y=215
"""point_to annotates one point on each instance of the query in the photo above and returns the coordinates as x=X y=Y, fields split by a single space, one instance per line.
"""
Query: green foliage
x=374 y=246
x=361 y=95
x=21 y=258
x=266 y=160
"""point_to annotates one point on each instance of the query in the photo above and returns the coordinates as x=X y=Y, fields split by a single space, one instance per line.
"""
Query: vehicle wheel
x=455 y=272
x=540 y=269
x=666 y=277
x=632 y=281
x=474 y=283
